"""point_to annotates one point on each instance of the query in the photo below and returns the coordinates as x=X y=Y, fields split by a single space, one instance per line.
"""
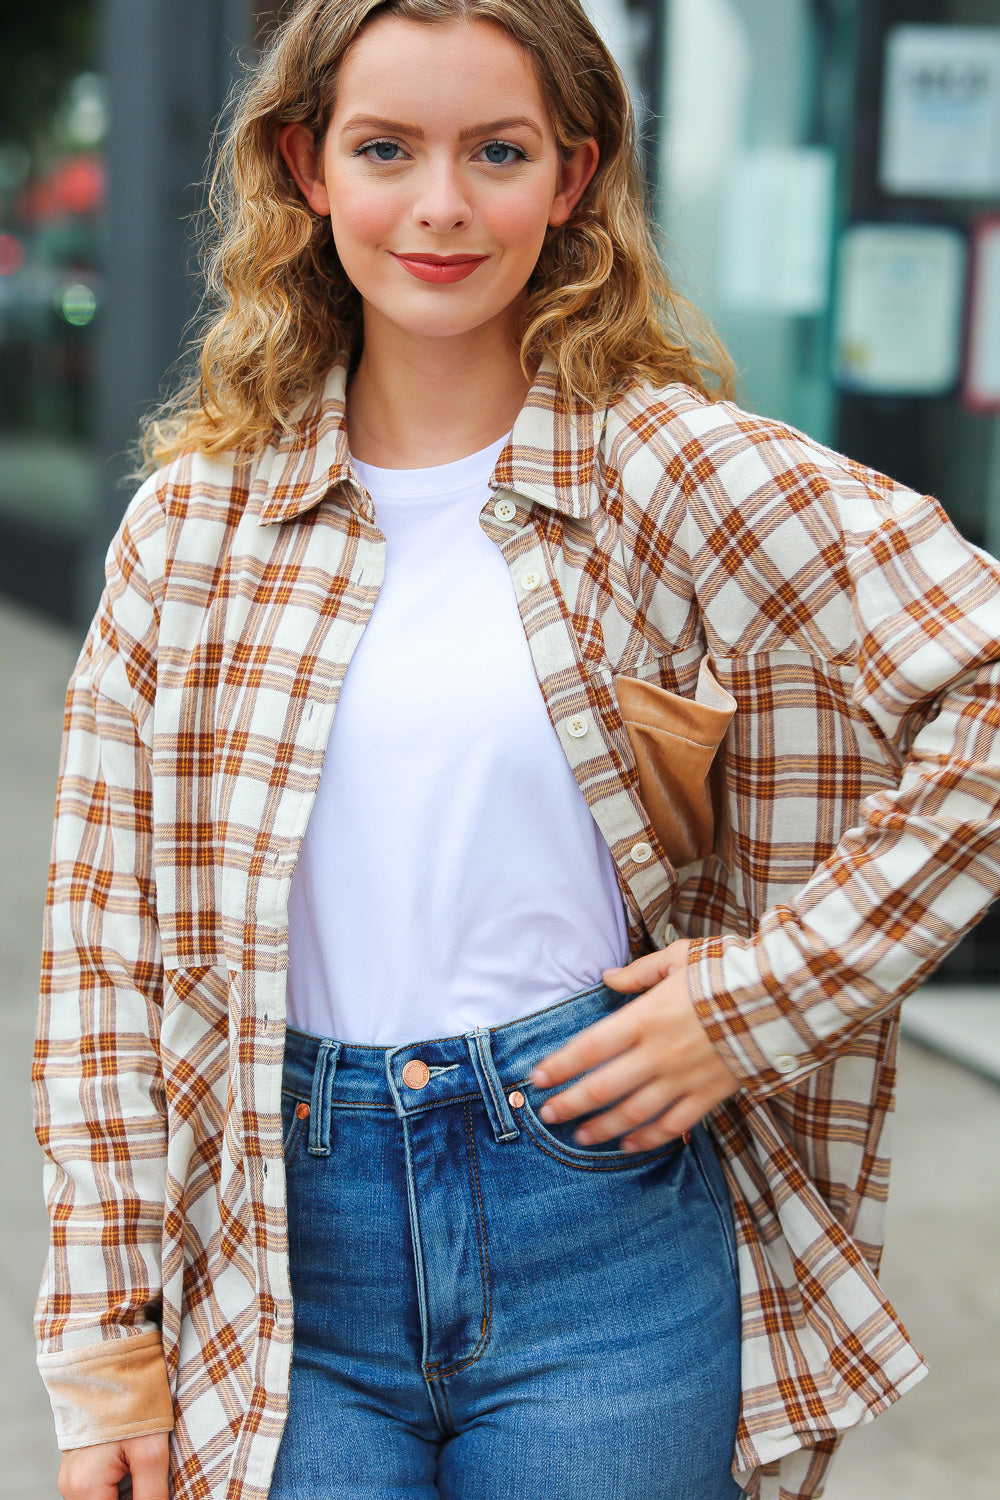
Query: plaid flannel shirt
x=858 y=633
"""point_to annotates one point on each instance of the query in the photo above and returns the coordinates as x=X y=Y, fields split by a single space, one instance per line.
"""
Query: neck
x=416 y=402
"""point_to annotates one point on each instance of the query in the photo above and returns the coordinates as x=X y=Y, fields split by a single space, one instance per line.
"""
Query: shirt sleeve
x=922 y=862
x=100 y=1112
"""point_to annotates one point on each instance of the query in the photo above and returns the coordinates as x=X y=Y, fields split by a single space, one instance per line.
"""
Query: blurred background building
x=826 y=174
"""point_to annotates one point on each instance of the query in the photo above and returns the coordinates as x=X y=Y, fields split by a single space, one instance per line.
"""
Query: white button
x=641 y=852
x=577 y=727
x=505 y=510
x=786 y=1063
x=530 y=581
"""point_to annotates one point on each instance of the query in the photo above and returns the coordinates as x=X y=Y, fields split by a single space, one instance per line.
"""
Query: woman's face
x=440 y=173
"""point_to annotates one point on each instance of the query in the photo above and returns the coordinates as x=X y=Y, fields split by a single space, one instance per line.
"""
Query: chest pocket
x=676 y=743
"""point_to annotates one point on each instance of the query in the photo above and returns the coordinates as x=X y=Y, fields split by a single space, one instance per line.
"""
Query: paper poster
x=941 y=112
x=901 y=294
x=777 y=230
x=982 y=376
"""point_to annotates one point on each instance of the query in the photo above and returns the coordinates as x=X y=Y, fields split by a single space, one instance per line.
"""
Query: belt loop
x=320 y=1105
x=494 y=1098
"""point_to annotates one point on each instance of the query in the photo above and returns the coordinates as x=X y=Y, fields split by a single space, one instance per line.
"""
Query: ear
x=576 y=173
x=304 y=161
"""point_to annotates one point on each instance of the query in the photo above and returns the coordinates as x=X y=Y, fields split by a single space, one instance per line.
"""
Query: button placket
x=557 y=658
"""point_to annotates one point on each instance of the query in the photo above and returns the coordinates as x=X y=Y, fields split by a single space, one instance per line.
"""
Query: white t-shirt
x=451 y=875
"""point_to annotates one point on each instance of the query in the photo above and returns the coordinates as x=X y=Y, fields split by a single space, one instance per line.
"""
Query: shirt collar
x=550 y=456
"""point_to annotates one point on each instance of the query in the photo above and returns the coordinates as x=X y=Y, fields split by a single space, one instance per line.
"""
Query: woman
x=391 y=772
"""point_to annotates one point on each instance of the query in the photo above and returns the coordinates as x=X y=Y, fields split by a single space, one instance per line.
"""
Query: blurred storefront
x=829 y=187
x=53 y=126
x=826 y=174
x=830 y=177
x=105 y=121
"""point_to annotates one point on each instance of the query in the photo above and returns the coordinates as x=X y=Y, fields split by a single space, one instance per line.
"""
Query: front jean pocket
x=556 y=1141
x=717 y=1189
x=294 y=1123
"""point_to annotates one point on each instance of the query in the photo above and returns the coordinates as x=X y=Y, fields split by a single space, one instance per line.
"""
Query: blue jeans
x=485 y=1311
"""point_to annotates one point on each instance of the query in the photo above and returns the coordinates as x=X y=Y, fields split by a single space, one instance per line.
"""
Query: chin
x=440 y=323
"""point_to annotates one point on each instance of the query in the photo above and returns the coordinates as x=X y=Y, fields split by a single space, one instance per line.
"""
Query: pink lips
x=441 y=268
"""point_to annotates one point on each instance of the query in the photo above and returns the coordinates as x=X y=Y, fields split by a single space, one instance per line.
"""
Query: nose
x=441 y=204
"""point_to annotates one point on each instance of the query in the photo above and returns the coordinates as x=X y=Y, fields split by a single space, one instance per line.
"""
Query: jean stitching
x=449 y=1424
x=728 y=1230
x=290 y=1145
x=483 y=1073
x=359 y=1104
x=484 y=1254
x=422 y=1109
x=486 y=1073
x=433 y=1371
x=413 y=1208
x=322 y=1091
x=595 y=1163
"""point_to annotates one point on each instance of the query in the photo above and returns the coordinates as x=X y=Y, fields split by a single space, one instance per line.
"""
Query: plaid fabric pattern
x=858 y=633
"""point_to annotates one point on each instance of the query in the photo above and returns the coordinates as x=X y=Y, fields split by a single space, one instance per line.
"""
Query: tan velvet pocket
x=675 y=743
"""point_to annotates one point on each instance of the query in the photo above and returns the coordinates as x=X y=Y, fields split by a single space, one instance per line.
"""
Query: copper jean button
x=516 y=1099
x=302 y=1111
x=416 y=1073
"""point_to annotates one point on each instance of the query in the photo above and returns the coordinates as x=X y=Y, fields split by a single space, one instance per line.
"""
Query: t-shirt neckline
x=437 y=480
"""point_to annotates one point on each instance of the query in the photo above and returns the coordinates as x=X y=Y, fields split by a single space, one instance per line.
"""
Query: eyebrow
x=397 y=127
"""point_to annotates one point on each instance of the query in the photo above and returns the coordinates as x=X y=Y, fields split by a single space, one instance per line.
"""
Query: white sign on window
x=776 y=231
x=941 y=111
x=899 y=309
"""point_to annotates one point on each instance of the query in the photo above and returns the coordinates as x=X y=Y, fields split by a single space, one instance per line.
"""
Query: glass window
x=748 y=187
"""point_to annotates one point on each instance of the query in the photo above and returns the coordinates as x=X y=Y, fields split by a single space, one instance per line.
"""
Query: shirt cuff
x=766 y=1055
x=107 y=1392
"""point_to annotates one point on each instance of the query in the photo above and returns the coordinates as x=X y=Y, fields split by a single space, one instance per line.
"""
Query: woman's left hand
x=658 y=1064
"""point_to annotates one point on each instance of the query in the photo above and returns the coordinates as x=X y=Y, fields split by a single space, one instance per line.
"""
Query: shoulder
x=197 y=486
x=179 y=514
x=186 y=506
x=671 y=445
x=788 y=543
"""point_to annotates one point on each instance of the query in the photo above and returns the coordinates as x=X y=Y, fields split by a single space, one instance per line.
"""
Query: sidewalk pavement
x=942 y=1268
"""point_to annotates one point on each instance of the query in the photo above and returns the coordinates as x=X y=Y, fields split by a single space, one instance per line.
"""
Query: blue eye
x=500 y=154
x=383 y=151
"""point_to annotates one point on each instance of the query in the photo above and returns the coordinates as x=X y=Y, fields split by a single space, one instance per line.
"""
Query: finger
x=149 y=1465
x=629 y=1071
x=91 y=1473
x=637 y=1110
x=594 y=1045
x=681 y=1117
x=642 y=973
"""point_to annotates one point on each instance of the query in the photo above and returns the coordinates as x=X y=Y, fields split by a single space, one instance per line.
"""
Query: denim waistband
x=418 y=1076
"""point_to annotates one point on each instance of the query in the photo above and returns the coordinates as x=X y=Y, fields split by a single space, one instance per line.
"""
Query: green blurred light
x=78 y=304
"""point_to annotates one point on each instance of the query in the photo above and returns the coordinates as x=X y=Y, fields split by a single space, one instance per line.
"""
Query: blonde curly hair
x=281 y=311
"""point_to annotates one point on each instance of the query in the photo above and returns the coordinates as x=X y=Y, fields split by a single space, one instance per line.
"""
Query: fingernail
x=583 y=1136
x=547 y=1113
x=539 y=1078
